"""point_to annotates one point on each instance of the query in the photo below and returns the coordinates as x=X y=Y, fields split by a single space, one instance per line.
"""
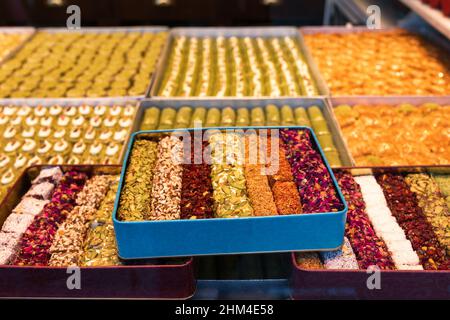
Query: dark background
x=146 y=12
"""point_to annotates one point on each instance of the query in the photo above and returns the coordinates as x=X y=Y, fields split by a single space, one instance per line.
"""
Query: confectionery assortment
x=76 y=64
x=236 y=66
x=270 y=115
x=73 y=134
x=9 y=42
x=396 y=135
x=395 y=221
x=380 y=63
x=236 y=181
x=63 y=220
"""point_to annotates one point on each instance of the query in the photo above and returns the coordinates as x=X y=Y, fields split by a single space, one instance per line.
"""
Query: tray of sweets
x=359 y=62
x=86 y=63
x=57 y=240
x=242 y=62
x=315 y=113
x=393 y=131
x=67 y=131
x=397 y=239
x=187 y=192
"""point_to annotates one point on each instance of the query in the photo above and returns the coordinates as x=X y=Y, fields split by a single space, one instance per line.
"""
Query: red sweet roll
x=369 y=249
x=34 y=248
x=404 y=207
x=196 y=190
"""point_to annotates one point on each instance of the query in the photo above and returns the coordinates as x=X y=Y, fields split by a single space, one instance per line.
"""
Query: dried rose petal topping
x=196 y=190
x=404 y=207
x=34 y=248
x=369 y=249
x=313 y=180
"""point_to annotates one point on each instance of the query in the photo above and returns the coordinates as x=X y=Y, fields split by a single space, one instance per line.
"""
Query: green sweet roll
x=287 y=116
x=228 y=117
x=198 y=116
x=333 y=157
x=213 y=118
x=301 y=117
x=151 y=119
x=167 y=119
x=243 y=117
x=326 y=141
x=183 y=117
x=315 y=113
x=258 y=118
x=273 y=115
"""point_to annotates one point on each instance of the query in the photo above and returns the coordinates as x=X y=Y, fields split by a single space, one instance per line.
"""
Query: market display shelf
x=138 y=279
x=433 y=16
x=314 y=283
x=227 y=32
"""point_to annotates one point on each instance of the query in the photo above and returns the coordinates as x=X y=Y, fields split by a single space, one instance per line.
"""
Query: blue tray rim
x=286 y=217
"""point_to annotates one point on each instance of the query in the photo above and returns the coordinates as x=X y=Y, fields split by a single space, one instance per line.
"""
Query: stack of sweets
x=24 y=213
x=258 y=189
x=309 y=260
x=196 y=192
x=34 y=247
x=369 y=248
x=404 y=207
x=67 y=246
x=166 y=185
x=386 y=225
x=284 y=189
x=433 y=205
x=315 y=184
x=227 y=175
x=135 y=198
x=100 y=247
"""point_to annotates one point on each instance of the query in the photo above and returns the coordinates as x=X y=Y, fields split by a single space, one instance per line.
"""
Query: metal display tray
x=144 y=281
x=147 y=29
x=192 y=237
x=29 y=31
x=352 y=284
x=251 y=103
x=235 y=32
x=333 y=102
x=358 y=29
x=78 y=102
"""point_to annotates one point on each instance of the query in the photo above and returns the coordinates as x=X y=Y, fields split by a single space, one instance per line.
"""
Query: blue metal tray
x=174 y=238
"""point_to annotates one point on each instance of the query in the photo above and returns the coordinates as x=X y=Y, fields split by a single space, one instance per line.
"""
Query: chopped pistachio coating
x=443 y=182
x=433 y=205
x=135 y=199
x=213 y=118
x=228 y=117
x=100 y=247
x=228 y=178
